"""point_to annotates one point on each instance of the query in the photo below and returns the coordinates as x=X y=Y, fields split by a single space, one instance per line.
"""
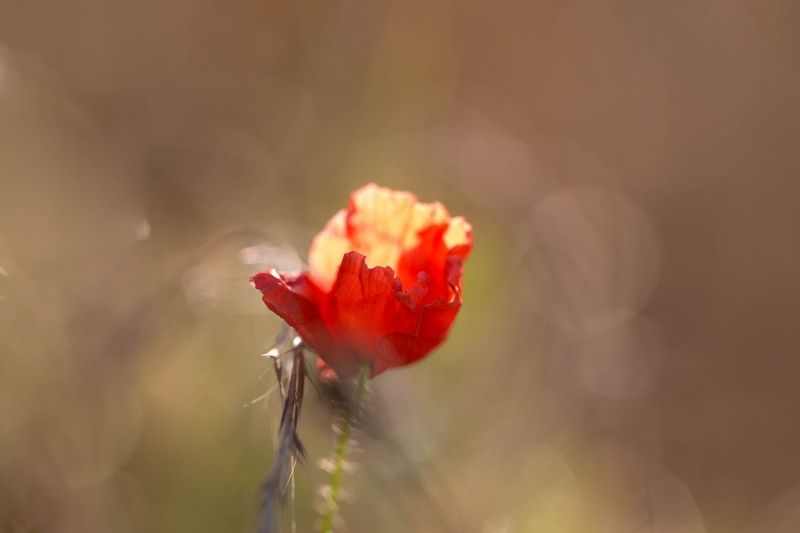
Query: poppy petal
x=291 y=299
x=327 y=250
x=458 y=237
x=400 y=349
x=363 y=305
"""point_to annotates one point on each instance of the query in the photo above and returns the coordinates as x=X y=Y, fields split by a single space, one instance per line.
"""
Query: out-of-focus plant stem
x=337 y=476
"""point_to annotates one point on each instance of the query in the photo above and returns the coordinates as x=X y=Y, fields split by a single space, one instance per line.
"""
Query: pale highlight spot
x=600 y=258
x=275 y=256
x=142 y=230
x=620 y=362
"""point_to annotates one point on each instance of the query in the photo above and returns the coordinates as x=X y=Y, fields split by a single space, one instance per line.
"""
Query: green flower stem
x=337 y=476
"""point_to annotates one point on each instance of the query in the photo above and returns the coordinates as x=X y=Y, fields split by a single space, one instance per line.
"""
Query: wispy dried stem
x=290 y=448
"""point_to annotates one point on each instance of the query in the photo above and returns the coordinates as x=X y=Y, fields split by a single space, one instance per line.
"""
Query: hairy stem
x=337 y=476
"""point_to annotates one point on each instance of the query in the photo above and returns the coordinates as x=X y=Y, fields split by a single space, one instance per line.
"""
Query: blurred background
x=626 y=359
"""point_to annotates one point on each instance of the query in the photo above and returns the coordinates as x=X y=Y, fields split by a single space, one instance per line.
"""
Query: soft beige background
x=627 y=356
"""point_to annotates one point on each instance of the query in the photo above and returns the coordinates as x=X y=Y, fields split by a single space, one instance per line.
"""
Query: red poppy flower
x=390 y=313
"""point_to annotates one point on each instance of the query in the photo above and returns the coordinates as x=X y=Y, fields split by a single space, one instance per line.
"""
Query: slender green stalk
x=337 y=476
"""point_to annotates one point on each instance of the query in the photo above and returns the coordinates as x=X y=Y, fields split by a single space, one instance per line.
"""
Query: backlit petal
x=292 y=300
x=458 y=237
x=327 y=250
x=433 y=325
x=363 y=306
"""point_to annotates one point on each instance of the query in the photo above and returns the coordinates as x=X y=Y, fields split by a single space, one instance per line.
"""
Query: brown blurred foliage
x=625 y=358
